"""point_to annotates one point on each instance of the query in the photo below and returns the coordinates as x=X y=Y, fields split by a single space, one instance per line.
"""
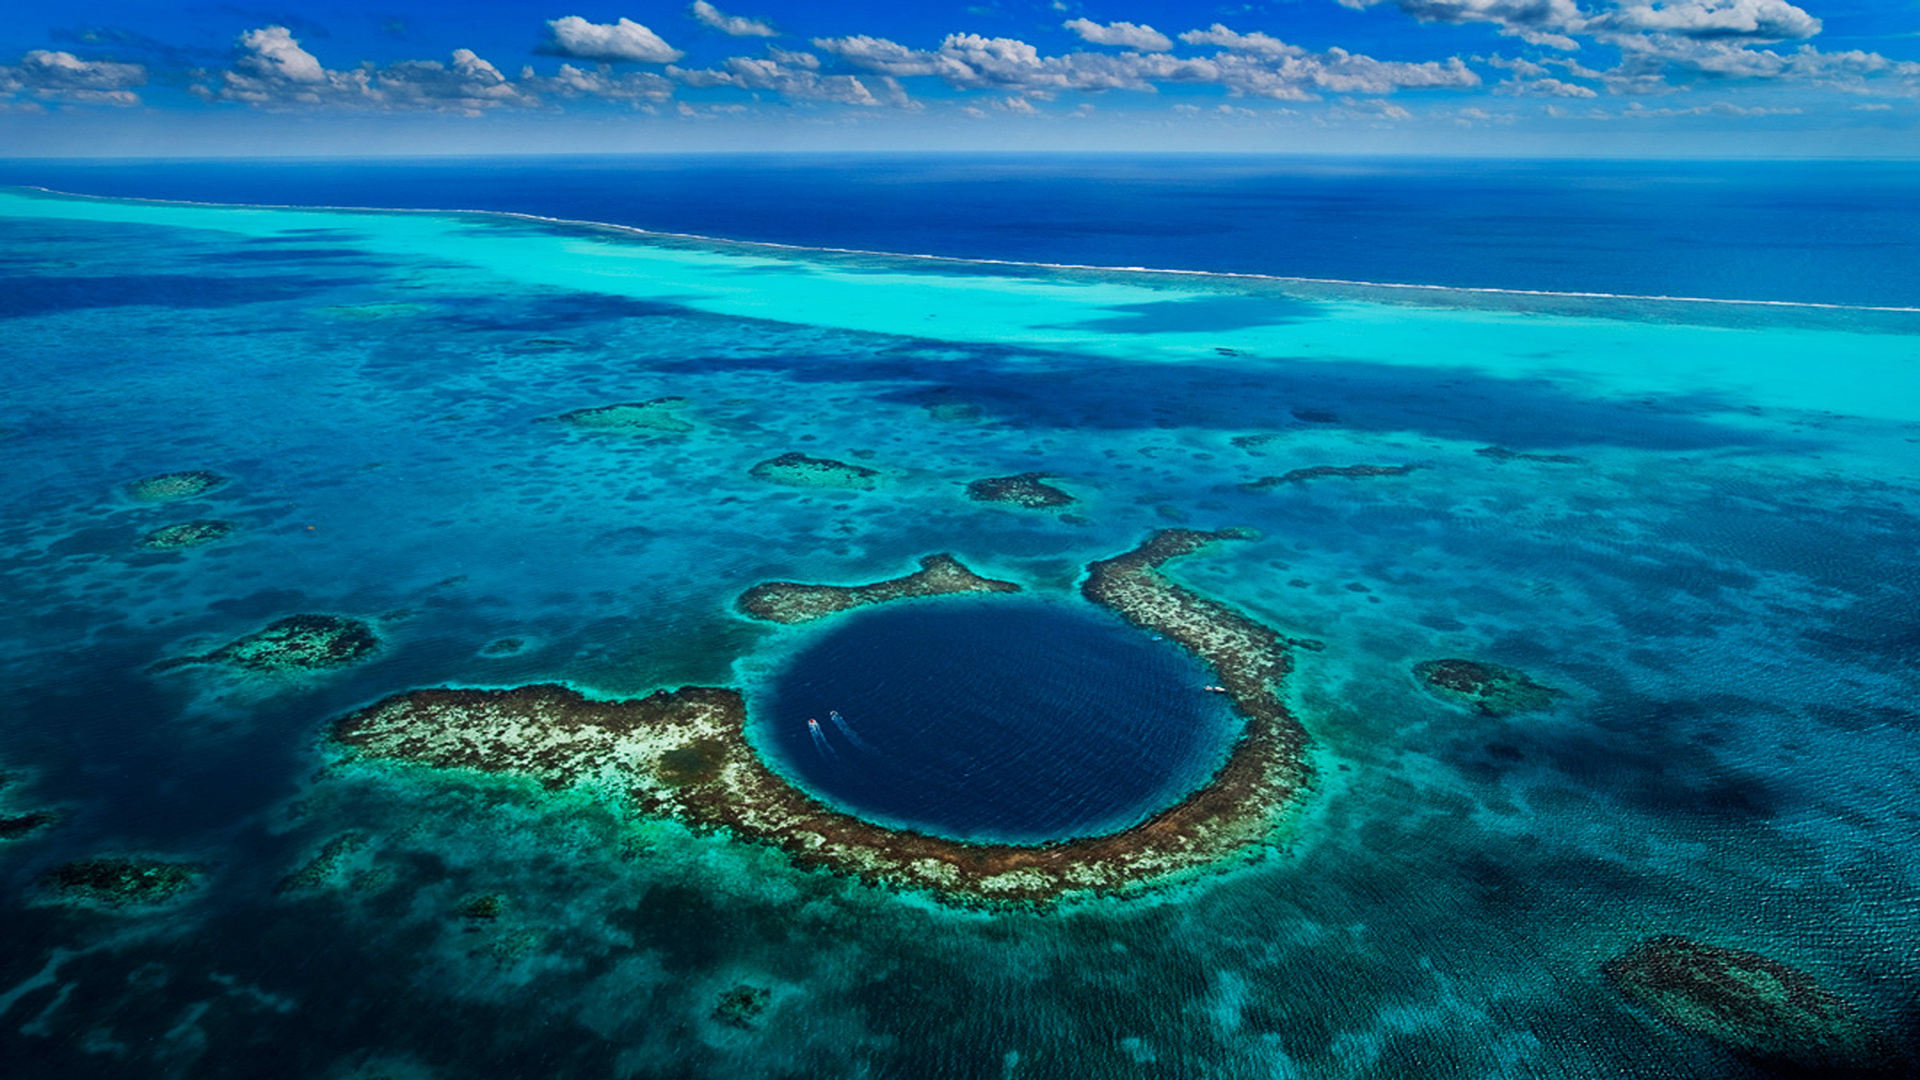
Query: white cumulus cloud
x=1544 y=88
x=600 y=82
x=273 y=71
x=1125 y=34
x=1537 y=22
x=61 y=77
x=731 y=24
x=272 y=53
x=796 y=76
x=1255 y=42
x=1268 y=69
x=1760 y=20
x=622 y=40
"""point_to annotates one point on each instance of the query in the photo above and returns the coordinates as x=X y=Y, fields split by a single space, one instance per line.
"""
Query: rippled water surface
x=1694 y=521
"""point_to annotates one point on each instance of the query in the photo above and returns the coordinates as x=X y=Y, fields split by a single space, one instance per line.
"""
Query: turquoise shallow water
x=1697 y=524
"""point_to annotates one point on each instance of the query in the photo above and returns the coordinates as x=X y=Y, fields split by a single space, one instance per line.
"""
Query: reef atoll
x=793 y=602
x=684 y=753
x=655 y=416
x=799 y=470
x=120 y=882
x=188 y=534
x=1027 y=490
x=295 y=643
x=1487 y=688
x=166 y=487
x=1315 y=472
x=1757 y=1007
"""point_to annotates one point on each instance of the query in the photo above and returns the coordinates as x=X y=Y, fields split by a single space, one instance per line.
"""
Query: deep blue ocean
x=958 y=718
x=1693 y=520
x=1825 y=232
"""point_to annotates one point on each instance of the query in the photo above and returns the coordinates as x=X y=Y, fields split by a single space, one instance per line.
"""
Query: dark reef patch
x=548 y=315
x=167 y=487
x=1315 y=472
x=1013 y=389
x=1501 y=453
x=15 y=826
x=793 y=602
x=188 y=534
x=1252 y=444
x=49 y=294
x=1758 y=1007
x=1489 y=688
x=795 y=469
x=1201 y=313
x=1027 y=489
x=121 y=882
x=742 y=1005
x=952 y=412
x=483 y=908
x=295 y=643
x=545 y=344
x=324 y=868
x=658 y=416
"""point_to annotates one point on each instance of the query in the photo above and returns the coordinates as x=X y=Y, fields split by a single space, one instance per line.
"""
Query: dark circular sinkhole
x=1002 y=720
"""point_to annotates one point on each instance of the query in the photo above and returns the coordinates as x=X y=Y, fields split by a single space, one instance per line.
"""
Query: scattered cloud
x=1124 y=34
x=795 y=76
x=1558 y=23
x=1657 y=61
x=1544 y=88
x=600 y=82
x=1680 y=49
x=1754 y=20
x=622 y=40
x=1372 y=109
x=274 y=71
x=1255 y=42
x=731 y=24
x=63 y=78
x=1637 y=111
x=1269 y=69
x=1537 y=22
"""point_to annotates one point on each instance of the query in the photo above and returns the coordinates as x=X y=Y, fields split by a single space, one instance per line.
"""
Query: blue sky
x=1760 y=78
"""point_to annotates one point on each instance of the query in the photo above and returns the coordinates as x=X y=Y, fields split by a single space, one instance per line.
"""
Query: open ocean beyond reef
x=1648 y=433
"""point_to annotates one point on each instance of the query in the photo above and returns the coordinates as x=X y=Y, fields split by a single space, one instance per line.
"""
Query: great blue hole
x=1004 y=720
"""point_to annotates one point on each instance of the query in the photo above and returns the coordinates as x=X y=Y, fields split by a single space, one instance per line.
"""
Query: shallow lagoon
x=1693 y=520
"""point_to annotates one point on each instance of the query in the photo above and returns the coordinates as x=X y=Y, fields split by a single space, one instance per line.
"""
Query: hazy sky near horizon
x=1644 y=77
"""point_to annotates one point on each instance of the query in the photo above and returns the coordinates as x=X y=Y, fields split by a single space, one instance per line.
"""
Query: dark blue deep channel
x=1009 y=720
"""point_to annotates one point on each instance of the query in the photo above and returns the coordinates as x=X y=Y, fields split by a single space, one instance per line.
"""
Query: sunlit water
x=1710 y=551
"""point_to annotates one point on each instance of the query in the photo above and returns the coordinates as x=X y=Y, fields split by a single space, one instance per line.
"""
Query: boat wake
x=820 y=742
x=841 y=723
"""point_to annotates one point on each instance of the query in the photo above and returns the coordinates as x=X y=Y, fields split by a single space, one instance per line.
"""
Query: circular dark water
x=1009 y=720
